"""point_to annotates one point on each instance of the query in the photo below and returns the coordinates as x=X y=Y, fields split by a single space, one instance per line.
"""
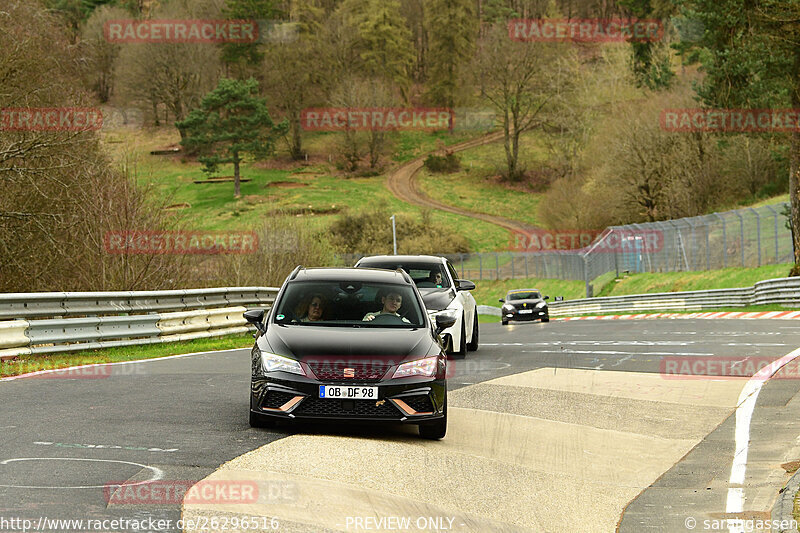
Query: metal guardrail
x=781 y=291
x=52 y=322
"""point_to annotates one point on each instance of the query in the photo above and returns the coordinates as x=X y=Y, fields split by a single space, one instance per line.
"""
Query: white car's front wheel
x=462 y=344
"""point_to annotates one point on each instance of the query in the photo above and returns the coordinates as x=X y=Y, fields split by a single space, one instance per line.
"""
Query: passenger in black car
x=311 y=308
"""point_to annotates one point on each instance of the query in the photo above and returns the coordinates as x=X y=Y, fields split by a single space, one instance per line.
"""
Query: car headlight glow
x=278 y=363
x=420 y=367
x=541 y=304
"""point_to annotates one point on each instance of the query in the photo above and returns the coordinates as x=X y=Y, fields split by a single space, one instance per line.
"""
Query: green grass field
x=692 y=281
x=314 y=192
x=24 y=365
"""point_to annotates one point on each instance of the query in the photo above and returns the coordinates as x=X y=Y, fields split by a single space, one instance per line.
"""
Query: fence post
x=708 y=247
x=724 y=241
x=461 y=258
x=694 y=243
x=758 y=233
x=526 y=264
x=586 y=275
x=511 y=255
x=741 y=232
x=496 y=265
x=775 y=213
x=480 y=266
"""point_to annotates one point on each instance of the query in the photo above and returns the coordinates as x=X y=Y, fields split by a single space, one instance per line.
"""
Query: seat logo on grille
x=349 y=372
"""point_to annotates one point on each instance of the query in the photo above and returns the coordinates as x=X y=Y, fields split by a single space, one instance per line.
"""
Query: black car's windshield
x=524 y=295
x=348 y=304
x=425 y=275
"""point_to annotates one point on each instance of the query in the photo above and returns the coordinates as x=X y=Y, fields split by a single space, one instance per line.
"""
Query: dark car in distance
x=524 y=304
x=349 y=344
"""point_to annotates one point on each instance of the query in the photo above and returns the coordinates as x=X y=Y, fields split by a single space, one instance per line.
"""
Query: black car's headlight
x=278 y=363
x=508 y=309
x=541 y=305
x=420 y=367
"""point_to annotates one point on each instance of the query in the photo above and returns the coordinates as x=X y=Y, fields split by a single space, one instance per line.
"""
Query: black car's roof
x=408 y=259
x=352 y=274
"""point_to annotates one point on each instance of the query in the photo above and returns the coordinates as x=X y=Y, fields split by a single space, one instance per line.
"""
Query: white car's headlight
x=420 y=367
x=541 y=304
x=279 y=363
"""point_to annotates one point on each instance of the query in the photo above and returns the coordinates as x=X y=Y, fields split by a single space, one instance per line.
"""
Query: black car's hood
x=437 y=299
x=300 y=341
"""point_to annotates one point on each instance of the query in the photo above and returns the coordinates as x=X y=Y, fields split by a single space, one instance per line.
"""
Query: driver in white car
x=391 y=304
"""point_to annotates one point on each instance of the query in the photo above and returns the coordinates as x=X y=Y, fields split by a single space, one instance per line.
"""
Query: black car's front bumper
x=288 y=396
x=537 y=314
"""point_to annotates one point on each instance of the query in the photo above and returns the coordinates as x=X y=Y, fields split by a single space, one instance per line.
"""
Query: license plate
x=350 y=393
x=526 y=311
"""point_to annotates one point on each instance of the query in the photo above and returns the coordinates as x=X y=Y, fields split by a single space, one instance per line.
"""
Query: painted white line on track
x=744 y=414
x=157 y=472
x=611 y=352
x=138 y=361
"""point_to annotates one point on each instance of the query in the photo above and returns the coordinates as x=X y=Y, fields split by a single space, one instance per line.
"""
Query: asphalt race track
x=566 y=426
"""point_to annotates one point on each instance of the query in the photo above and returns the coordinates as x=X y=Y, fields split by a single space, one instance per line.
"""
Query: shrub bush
x=442 y=164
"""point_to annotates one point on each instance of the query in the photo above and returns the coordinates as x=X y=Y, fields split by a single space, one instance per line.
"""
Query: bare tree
x=99 y=54
x=176 y=75
x=526 y=82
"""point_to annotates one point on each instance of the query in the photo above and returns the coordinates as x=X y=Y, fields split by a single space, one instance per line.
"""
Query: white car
x=442 y=292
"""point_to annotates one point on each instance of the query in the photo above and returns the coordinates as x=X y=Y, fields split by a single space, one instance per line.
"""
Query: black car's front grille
x=421 y=403
x=274 y=399
x=349 y=370
x=356 y=408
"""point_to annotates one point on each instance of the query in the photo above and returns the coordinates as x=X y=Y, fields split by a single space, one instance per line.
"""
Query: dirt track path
x=402 y=183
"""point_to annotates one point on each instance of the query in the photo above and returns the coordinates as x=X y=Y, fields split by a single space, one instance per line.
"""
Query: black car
x=349 y=344
x=524 y=304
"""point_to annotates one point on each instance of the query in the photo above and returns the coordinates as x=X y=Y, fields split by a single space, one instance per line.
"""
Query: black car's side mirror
x=546 y=298
x=501 y=300
x=464 y=285
x=444 y=321
x=256 y=317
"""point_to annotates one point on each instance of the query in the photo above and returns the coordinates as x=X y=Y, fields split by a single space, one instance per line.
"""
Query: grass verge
x=725 y=278
x=34 y=363
x=747 y=309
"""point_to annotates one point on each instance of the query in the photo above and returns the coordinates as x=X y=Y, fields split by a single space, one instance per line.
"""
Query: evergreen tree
x=232 y=122
x=452 y=41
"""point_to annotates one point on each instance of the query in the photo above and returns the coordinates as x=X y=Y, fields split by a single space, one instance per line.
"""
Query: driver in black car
x=391 y=304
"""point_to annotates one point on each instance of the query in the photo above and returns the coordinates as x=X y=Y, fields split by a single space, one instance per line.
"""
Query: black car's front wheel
x=435 y=430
